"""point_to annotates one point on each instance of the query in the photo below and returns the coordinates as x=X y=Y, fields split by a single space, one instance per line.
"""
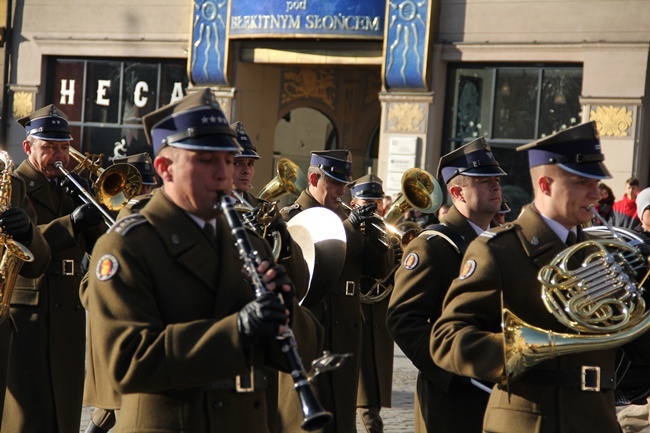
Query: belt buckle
x=584 y=380
x=67 y=267
x=349 y=288
x=238 y=383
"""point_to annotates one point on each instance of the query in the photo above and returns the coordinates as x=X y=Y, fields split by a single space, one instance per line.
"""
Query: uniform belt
x=241 y=383
x=350 y=289
x=586 y=378
x=66 y=268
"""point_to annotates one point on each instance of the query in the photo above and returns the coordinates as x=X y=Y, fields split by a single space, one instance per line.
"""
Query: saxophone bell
x=14 y=254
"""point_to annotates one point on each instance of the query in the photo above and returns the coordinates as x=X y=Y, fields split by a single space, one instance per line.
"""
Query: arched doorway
x=297 y=134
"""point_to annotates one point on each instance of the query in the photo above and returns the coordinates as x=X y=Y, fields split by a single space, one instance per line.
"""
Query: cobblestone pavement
x=397 y=419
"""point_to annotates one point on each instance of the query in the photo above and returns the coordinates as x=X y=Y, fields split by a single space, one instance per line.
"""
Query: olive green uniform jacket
x=46 y=364
x=467 y=338
x=163 y=303
x=40 y=251
x=444 y=402
x=340 y=315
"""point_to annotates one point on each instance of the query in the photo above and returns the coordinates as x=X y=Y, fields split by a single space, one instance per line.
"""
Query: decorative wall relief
x=612 y=121
x=405 y=117
x=308 y=83
x=23 y=104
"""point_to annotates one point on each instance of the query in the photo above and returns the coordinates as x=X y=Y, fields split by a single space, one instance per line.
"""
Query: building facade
x=398 y=82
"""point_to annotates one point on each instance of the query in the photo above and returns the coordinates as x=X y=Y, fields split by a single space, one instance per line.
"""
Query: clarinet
x=314 y=416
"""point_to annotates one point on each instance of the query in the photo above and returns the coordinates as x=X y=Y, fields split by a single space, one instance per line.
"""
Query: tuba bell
x=289 y=179
x=420 y=191
x=14 y=254
x=600 y=299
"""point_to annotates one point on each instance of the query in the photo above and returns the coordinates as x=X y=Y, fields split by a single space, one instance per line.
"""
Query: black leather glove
x=85 y=216
x=281 y=278
x=362 y=214
x=261 y=317
x=72 y=190
x=16 y=223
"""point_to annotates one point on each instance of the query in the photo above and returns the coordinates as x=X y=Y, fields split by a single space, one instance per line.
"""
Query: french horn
x=600 y=299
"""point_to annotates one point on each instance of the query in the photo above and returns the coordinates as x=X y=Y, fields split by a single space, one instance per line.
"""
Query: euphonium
x=601 y=300
x=14 y=254
x=290 y=179
x=420 y=191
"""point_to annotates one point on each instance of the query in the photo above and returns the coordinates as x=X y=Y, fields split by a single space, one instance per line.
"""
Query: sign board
x=355 y=19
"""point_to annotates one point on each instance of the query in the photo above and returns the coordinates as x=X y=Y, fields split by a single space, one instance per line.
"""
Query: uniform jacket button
x=217 y=405
x=56 y=306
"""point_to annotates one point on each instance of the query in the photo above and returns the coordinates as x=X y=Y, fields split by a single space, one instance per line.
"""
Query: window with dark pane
x=510 y=105
x=515 y=103
x=139 y=93
x=106 y=99
x=560 y=105
x=103 y=92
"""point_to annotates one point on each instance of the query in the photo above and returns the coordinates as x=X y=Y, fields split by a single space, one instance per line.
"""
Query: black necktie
x=208 y=230
x=571 y=238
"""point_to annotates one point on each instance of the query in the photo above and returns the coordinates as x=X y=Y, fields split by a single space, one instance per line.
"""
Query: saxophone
x=14 y=254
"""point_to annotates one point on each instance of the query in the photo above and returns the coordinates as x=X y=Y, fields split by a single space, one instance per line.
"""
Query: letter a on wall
x=209 y=43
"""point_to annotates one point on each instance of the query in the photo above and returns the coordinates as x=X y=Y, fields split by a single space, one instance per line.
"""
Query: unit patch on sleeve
x=106 y=267
x=468 y=269
x=411 y=261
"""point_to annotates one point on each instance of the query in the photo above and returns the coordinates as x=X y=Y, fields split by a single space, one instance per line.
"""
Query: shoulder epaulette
x=289 y=208
x=493 y=232
x=124 y=225
x=139 y=200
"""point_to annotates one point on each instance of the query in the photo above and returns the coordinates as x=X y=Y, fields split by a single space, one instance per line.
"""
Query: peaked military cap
x=249 y=150
x=576 y=150
x=195 y=122
x=334 y=163
x=367 y=187
x=472 y=159
x=141 y=161
x=47 y=123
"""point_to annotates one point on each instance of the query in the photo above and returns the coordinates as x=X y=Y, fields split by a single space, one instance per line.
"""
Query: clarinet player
x=182 y=335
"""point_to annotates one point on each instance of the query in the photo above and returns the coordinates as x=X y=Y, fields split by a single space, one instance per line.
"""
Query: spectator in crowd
x=442 y=211
x=624 y=211
x=605 y=203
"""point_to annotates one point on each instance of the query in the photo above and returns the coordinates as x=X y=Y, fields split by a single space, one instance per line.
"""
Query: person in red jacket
x=624 y=211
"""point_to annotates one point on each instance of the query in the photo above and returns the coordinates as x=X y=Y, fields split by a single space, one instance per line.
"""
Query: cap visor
x=214 y=143
x=592 y=170
x=52 y=136
x=338 y=177
x=491 y=170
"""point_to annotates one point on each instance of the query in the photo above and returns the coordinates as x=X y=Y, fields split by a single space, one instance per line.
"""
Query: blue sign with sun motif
x=209 y=49
x=406 y=44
